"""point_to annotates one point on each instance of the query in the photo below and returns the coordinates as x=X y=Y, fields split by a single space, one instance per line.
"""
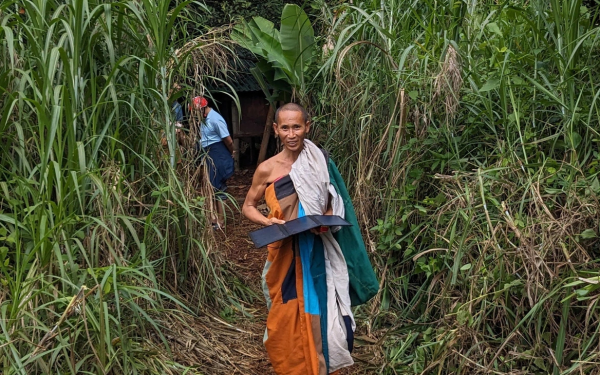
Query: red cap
x=199 y=102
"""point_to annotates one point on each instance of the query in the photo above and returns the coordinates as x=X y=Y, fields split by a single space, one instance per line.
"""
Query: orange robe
x=293 y=338
x=310 y=330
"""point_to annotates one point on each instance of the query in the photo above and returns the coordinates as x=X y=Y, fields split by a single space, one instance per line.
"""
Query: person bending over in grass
x=310 y=280
x=178 y=123
x=216 y=150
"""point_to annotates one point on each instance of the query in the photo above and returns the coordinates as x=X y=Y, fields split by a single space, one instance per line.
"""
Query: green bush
x=95 y=224
x=468 y=133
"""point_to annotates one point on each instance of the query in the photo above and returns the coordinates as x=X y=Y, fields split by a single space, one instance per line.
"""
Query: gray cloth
x=311 y=181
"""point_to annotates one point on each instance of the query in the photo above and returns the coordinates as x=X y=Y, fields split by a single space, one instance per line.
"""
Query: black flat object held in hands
x=276 y=232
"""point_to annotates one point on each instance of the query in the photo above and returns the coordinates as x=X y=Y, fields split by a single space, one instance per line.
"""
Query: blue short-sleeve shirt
x=213 y=130
x=178 y=111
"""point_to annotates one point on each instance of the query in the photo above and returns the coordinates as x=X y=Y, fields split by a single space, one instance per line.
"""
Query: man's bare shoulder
x=271 y=163
x=263 y=170
x=266 y=168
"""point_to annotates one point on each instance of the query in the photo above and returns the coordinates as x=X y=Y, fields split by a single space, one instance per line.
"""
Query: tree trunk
x=262 y=155
x=235 y=119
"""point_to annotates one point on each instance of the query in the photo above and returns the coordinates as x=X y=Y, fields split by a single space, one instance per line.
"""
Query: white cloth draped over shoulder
x=311 y=180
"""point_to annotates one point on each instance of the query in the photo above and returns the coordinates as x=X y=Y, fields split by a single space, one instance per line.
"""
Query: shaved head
x=294 y=108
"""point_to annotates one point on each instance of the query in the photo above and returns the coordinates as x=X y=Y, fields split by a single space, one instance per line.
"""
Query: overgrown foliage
x=99 y=236
x=469 y=134
x=467 y=130
x=229 y=11
x=284 y=55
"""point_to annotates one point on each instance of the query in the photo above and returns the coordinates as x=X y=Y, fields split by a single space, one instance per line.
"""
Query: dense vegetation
x=87 y=194
x=468 y=132
x=221 y=12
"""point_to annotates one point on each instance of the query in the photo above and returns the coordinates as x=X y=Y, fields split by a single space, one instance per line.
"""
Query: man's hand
x=273 y=220
x=319 y=230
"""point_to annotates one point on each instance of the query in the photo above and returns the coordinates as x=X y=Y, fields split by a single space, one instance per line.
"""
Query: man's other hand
x=273 y=220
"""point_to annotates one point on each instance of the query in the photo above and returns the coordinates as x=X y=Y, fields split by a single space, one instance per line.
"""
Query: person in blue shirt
x=178 y=113
x=216 y=149
x=178 y=117
x=176 y=107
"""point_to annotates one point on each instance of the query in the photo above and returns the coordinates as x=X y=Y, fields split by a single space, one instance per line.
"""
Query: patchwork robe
x=310 y=327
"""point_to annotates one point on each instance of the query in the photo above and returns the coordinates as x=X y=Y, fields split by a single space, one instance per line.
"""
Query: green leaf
x=491 y=84
x=575 y=140
x=11 y=238
x=493 y=27
x=466 y=267
x=596 y=185
x=280 y=75
x=574 y=283
x=267 y=39
x=297 y=40
x=463 y=317
x=288 y=52
x=260 y=37
x=107 y=286
x=587 y=234
x=540 y=364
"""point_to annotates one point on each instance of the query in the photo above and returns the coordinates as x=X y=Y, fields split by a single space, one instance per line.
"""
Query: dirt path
x=230 y=341
x=238 y=248
x=249 y=263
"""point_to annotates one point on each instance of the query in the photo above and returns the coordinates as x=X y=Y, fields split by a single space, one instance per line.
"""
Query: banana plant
x=284 y=55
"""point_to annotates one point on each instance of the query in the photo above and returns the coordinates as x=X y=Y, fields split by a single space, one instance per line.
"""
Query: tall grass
x=97 y=231
x=468 y=132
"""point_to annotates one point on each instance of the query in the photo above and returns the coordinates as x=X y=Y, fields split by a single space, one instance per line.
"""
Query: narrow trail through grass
x=248 y=263
x=229 y=341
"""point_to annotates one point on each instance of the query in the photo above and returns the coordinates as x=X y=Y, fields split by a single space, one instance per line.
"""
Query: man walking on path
x=216 y=150
x=310 y=280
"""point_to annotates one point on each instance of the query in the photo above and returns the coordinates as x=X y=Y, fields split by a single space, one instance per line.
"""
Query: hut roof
x=238 y=76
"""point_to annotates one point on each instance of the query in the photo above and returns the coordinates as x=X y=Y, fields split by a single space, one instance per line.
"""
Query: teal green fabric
x=363 y=282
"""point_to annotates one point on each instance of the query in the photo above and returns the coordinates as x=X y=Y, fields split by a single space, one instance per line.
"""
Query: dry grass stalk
x=211 y=53
x=214 y=346
x=448 y=82
x=74 y=307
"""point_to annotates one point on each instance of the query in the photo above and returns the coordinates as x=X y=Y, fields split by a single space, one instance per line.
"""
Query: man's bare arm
x=228 y=143
x=256 y=192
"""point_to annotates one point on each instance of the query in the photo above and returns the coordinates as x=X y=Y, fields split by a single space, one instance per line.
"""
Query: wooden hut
x=247 y=128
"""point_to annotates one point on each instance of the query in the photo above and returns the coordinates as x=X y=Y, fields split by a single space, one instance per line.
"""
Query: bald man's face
x=291 y=129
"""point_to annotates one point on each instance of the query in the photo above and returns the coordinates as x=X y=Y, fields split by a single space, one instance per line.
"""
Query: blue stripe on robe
x=306 y=241
x=314 y=280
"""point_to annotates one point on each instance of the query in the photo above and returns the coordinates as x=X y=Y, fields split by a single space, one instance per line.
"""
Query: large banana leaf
x=297 y=40
x=260 y=37
x=284 y=54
